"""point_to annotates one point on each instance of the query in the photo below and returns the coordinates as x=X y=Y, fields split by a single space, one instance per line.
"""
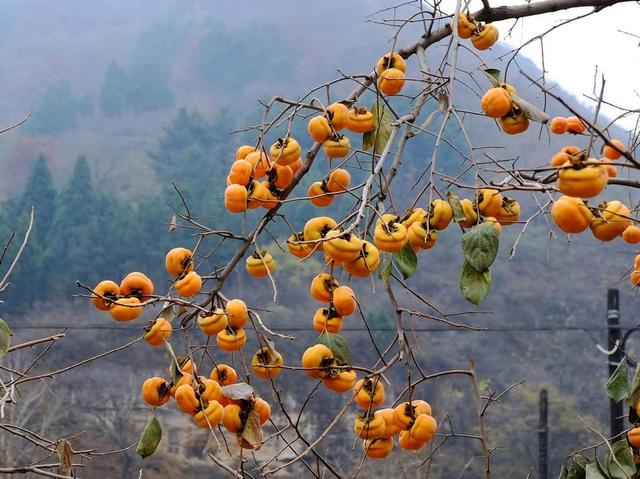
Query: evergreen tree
x=114 y=91
x=39 y=192
x=76 y=244
x=58 y=110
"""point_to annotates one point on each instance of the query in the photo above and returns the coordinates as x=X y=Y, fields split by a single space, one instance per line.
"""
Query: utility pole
x=543 y=436
x=613 y=344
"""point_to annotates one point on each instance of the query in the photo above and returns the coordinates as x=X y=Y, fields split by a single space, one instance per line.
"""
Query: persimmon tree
x=375 y=241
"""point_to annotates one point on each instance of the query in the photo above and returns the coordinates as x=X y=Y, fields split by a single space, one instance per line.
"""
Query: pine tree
x=76 y=244
x=114 y=91
x=39 y=192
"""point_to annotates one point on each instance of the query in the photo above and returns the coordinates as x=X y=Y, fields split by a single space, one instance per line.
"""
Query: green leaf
x=338 y=346
x=594 y=471
x=623 y=454
x=425 y=124
x=634 y=395
x=378 y=136
x=617 y=386
x=563 y=472
x=576 y=469
x=5 y=336
x=150 y=437
x=474 y=285
x=532 y=112
x=406 y=260
x=384 y=271
x=456 y=206
x=480 y=246
x=493 y=75
x=174 y=367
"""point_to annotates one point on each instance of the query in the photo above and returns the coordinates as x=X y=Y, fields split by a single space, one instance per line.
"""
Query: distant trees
x=138 y=89
x=59 y=110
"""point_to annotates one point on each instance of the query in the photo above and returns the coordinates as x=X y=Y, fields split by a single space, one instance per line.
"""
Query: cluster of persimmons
x=259 y=178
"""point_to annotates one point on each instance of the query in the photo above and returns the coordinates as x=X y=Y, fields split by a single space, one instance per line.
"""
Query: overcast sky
x=573 y=51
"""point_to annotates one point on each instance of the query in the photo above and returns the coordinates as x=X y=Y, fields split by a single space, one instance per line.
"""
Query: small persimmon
x=369 y=392
x=339 y=180
x=179 y=260
x=360 y=120
x=496 y=102
x=327 y=320
x=610 y=152
x=367 y=262
x=340 y=381
x=338 y=115
x=322 y=287
x=259 y=162
x=210 y=416
x=224 y=374
x=235 y=198
x=189 y=285
x=391 y=60
x=262 y=408
x=318 y=194
x=237 y=313
x=378 y=448
x=214 y=322
x=317 y=361
x=319 y=129
x=285 y=151
x=514 y=122
x=110 y=290
x=558 y=125
x=391 y=81
x=158 y=330
x=344 y=300
x=231 y=339
x=266 y=363
x=155 y=391
x=631 y=234
x=485 y=35
x=240 y=173
x=186 y=398
x=243 y=151
x=136 y=284
x=575 y=125
x=337 y=146
x=258 y=266
x=126 y=309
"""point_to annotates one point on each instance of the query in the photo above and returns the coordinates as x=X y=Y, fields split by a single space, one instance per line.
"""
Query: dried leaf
x=237 y=391
x=5 y=337
x=443 y=102
x=65 y=457
x=252 y=432
x=174 y=223
x=532 y=112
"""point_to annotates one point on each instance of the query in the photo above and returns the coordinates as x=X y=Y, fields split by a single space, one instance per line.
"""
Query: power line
x=506 y=329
